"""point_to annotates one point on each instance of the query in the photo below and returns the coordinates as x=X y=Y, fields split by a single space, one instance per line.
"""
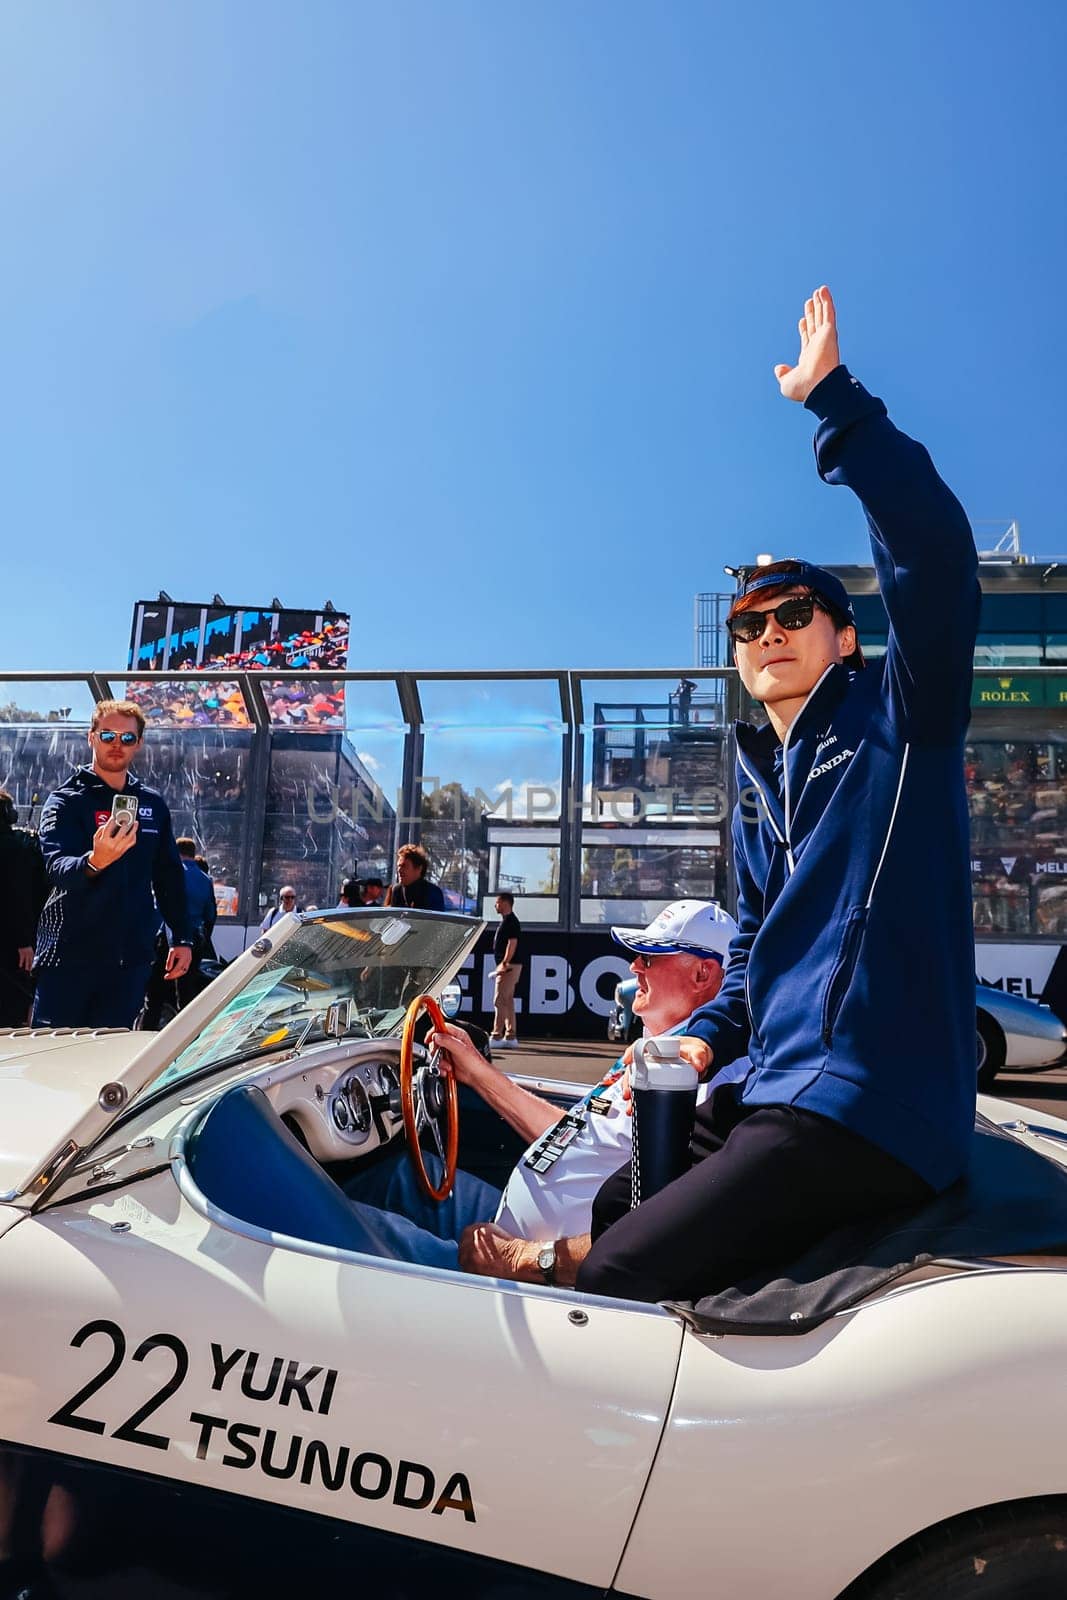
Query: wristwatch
x=546 y=1260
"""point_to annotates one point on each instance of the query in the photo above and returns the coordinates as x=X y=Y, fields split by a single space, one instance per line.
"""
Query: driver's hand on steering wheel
x=459 y=1055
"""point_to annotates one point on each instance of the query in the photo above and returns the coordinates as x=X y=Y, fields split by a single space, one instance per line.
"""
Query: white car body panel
x=50 y=1088
x=790 y=1465
x=554 y=1425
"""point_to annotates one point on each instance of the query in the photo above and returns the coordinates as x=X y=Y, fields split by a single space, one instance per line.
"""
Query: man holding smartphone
x=115 y=874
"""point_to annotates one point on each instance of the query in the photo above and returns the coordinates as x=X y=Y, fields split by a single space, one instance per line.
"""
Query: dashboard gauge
x=350 y=1109
x=358 y=1104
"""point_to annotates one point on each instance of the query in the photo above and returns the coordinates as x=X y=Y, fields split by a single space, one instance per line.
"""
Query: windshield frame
x=374 y=960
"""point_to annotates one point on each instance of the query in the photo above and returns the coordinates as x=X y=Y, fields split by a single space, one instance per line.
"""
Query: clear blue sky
x=462 y=313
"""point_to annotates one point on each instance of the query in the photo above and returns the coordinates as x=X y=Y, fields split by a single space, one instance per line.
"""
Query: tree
x=452 y=832
x=10 y=712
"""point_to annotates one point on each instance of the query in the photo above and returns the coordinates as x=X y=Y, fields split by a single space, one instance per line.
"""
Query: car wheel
x=991 y=1051
x=1003 y=1554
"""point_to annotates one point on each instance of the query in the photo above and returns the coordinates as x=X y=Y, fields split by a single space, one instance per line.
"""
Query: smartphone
x=123 y=812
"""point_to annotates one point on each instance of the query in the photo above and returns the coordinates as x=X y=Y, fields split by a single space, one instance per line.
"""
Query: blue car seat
x=244 y=1159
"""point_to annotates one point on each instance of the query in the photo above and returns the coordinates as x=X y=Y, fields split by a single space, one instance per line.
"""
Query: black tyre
x=990 y=1050
x=1012 y=1552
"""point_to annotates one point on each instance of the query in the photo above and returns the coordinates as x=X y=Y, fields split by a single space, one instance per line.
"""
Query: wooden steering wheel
x=429 y=1101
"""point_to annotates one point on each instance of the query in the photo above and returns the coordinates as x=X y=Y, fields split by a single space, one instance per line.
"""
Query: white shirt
x=558 y=1204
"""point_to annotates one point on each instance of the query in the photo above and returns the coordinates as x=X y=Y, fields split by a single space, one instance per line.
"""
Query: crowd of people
x=190 y=705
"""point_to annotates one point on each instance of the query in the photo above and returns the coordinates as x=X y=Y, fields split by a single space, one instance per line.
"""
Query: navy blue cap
x=829 y=588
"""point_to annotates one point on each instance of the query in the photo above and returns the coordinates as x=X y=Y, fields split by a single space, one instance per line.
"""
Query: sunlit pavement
x=586 y=1060
x=1041 y=1091
x=573 y=1060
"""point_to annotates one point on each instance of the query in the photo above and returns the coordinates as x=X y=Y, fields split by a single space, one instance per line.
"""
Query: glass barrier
x=36 y=759
x=204 y=775
x=1016 y=770
x=657 y=790
x=492 y=756
x=629 y=877
x=656 y=796
x=655 y=751
x=326 y=819
x=27 y=704
x=526 y=862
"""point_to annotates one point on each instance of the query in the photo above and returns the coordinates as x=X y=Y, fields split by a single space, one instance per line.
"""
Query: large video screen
x=171 y=636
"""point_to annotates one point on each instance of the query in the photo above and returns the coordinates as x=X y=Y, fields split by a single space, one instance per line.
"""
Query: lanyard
x=551 y=1145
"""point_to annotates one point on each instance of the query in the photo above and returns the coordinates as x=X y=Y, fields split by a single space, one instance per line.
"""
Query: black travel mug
x=664 y=1098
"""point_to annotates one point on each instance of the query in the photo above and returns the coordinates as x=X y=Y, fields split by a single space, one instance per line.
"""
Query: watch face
x=546 y=1258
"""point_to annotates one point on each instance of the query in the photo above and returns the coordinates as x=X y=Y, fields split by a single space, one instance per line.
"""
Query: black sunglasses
x=647 y=960
x=108 y=736
x=747 y=626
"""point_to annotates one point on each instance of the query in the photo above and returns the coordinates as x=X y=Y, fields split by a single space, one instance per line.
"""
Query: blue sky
x=463 y=314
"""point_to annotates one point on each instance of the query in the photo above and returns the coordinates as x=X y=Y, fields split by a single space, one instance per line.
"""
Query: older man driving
x=537 y=1230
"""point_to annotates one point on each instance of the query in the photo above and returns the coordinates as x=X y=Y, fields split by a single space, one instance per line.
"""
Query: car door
x=404 y=1413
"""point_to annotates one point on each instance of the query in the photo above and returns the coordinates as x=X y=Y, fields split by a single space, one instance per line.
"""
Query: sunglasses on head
x=108 y=736
x=747 y=626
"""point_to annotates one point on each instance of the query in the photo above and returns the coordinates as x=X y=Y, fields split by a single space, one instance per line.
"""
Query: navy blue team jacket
x=851 y=980
x=111 y=919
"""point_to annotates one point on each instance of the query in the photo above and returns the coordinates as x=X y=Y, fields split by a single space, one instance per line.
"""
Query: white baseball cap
x=694 y=927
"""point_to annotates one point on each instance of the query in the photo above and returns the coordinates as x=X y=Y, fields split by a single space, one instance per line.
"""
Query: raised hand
x=111 y=843
x=818 y=348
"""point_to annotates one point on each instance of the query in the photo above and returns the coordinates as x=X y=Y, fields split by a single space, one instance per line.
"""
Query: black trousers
x=16 y=991
x=71 y=996
x=766 y=1183
x=178 y=991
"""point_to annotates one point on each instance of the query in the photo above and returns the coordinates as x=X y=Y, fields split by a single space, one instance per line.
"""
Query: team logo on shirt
x=828 y=766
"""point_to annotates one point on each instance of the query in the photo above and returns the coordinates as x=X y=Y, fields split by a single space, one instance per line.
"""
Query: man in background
x=373 y=892
x=413 y=888
x=22 y=894
x=200 y=900
x=286 y=903
x=111 y=884
x=507 y=971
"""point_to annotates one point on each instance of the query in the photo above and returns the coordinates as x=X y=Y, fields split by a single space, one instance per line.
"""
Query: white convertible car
x=204 y=1390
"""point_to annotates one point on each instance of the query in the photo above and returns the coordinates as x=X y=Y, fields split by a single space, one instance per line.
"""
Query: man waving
x=851 y=849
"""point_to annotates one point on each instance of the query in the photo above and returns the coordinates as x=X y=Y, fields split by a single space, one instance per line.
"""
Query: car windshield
x=378 y=962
